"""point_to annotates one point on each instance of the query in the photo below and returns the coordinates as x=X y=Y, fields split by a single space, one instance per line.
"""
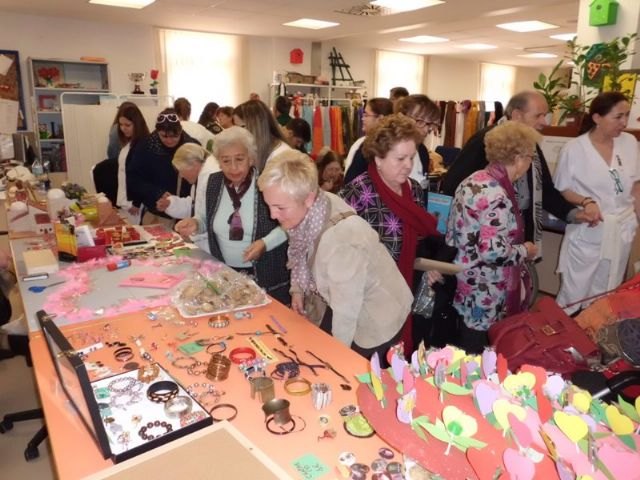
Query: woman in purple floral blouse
x=486 y=227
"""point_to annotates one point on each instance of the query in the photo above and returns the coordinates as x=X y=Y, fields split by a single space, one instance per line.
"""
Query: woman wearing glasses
x=388 y=199
x=599 y=169
x=150 y=174
x=487 y=228
x=375 y=109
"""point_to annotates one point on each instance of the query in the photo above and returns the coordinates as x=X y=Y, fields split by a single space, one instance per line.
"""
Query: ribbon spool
x=263 y=387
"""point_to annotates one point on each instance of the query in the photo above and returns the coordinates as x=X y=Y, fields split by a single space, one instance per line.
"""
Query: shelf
x=49 y=112
x=63 y=90
x=52 y=140
x=313 y=85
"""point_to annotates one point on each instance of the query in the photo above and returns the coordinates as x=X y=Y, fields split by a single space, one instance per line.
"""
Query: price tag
x=310 y=467
x=190 y=348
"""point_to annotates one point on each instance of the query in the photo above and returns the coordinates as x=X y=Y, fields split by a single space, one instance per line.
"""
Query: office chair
x=19 y=345
x=105 y=178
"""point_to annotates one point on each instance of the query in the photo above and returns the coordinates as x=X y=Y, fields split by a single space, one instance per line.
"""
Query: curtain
x=203 y=67
x=395 y=69
x=497 y=83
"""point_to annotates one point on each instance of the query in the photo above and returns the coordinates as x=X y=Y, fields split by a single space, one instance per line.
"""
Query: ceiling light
x=539 y=55
x=564 y=36
x=529 y=26
x=478 y=46
x=310 y=23
x=424 y=39
x=399 y=6
x=123 y=3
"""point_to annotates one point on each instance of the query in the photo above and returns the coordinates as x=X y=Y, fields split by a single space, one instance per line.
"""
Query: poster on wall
x=11 y=88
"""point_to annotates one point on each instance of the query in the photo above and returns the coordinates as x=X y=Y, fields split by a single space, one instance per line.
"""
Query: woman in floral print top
x=486 y=226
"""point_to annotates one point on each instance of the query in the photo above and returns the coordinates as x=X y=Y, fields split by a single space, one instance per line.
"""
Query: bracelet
x=178 y=406
x=297 y=386
x=218 y=368
x=242 y=355
x=585 y=200
x=123 y=385
x=219 y=321
x=123 y=354
x=143 y=431
x=285 y=370
x=184 y=362
x=220 y=347
x=148 y=373
x=192 y=369
x=161 y=392
x=224 y=406
x=321 y=395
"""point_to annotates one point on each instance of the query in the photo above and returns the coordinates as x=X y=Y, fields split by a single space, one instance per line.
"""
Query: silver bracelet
x=178 y=406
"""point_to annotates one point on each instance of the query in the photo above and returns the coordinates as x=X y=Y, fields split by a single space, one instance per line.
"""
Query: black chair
x=19 y=345
x=105 y=178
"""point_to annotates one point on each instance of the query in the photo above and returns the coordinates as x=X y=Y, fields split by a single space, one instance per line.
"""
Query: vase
x=153 y=91
x=49 y=82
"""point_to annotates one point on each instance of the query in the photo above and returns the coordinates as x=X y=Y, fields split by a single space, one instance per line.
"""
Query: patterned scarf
x=302 y=239
x=516 y=274
x=236 y=231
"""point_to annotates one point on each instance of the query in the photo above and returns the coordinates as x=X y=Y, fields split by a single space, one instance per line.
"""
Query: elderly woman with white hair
x=336 y=259
x=236 y=218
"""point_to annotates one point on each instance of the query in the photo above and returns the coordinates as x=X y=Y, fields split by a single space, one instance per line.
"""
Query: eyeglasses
x=166 y=135
x=615 y=176
x=422 y=123
x=167 y=117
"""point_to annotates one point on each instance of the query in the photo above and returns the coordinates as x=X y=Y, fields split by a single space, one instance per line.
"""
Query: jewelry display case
x=128 y=413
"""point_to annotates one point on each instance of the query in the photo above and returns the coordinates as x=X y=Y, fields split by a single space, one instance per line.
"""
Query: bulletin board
x=11 y=84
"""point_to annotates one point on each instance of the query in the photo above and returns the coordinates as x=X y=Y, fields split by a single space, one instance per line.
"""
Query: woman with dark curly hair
x=388 y=199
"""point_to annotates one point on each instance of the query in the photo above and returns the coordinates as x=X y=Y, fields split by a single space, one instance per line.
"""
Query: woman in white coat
x=599 y=170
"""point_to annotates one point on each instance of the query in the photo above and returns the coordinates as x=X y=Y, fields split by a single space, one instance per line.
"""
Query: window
x=203 y=67
x=395 y=69
x=497 y=83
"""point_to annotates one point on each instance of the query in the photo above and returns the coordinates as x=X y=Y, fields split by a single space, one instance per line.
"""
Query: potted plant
x=551 y=86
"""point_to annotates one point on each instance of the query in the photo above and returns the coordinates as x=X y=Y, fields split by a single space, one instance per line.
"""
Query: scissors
x=294 y=358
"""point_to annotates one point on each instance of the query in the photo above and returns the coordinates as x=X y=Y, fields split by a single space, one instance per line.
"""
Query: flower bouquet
x=48 y=74
x=154 y=82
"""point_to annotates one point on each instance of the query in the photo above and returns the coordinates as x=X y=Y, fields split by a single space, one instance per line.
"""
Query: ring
x=222 y=406
x=222 y=346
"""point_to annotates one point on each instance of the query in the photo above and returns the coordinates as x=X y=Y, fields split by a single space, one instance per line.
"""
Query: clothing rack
x=460 y=120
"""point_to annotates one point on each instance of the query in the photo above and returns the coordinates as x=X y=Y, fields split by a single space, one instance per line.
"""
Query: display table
x=66 y=429
x=74 y=450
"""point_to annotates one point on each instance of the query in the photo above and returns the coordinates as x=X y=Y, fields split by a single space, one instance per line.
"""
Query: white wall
x=525 y=76
x=127 y=48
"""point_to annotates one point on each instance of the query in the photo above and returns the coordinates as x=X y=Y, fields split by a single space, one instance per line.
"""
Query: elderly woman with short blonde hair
x=236 y=219
x=342 y=278
x=486 y=226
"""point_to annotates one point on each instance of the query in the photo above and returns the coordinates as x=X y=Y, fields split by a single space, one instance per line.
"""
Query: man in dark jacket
x=535 y=191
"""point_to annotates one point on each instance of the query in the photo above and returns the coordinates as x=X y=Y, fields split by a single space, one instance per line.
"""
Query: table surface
x=76 y=453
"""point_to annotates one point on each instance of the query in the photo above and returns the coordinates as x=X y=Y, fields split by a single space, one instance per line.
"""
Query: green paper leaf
x=455 y=389
x=399 y=388
x=438 y=432
x=469 y=442
x=430 y=381
x=455 y=366
x=182 y=252
x=597 y=411
x=628 y=441
x=364 y=378
x=491 y=418
x=628 y=409
x=531 y=402
x=599 y=435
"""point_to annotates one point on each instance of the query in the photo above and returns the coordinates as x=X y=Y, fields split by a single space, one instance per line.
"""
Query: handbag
x=424 y=298
x=545 y=336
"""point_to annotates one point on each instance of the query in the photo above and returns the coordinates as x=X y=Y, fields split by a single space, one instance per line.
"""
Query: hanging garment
x=316 y=126
x=470 y=122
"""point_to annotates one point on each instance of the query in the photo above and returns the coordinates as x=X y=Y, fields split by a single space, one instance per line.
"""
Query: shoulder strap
x=333 y=221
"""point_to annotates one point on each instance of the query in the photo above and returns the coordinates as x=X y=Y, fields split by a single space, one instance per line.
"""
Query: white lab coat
x=593 y=259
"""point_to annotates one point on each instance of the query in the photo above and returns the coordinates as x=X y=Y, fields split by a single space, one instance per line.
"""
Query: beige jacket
x=357 y=277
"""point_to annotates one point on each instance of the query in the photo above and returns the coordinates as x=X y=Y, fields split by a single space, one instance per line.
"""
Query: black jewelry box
x=99 y=415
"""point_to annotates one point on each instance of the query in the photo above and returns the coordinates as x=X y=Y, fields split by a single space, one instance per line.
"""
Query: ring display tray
x=125 y=414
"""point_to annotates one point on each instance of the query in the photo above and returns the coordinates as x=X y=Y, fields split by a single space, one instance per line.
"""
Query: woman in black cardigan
x=237 y=220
